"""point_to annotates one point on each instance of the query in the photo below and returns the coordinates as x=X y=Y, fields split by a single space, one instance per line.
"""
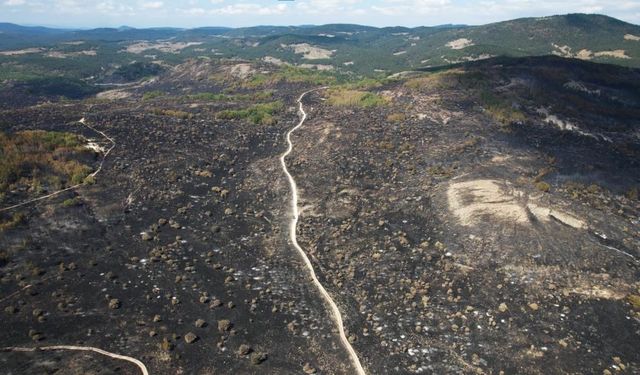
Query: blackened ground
x=212 y=201
x=188 y=221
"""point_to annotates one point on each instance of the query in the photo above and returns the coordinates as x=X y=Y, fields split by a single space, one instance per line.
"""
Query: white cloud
x=114 y=9
x=13 y=3
x=250 y=12
x=70 y=7
x=412 y=7
x=151 y=4
x=193 y=11
x=250 y=9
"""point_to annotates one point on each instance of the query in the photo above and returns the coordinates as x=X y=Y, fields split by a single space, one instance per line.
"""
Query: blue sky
x=194 y=13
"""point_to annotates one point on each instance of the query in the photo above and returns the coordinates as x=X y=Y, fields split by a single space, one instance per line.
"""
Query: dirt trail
x=335 y=312
x=140 y=365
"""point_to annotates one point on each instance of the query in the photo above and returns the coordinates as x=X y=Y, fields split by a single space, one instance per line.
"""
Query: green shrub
x=543 y=186
x=173 y=113
x=71 y=202
x=262 y=113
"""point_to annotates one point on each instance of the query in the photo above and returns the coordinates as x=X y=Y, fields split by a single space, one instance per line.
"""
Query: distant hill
x=354 y=48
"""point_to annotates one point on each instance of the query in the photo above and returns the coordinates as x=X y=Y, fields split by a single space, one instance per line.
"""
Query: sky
x=237 y=13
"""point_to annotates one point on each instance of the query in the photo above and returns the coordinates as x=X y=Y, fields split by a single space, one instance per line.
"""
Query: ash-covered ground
x=456 y=234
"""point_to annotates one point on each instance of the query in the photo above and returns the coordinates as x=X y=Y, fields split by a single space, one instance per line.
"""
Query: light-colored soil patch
x=473 y=201
x=348 y=63
x=460 y=43
x=477 y=201
x=585 y=54
x=113 y=95
x=399 y=53
x=310 y=52
x=274 y=60
x=632 y=37
x=317 y=66
x=241 y=71
x=196 y=69
x=598 y=286
x=546 y=214
x=579 y=86
x=64 y=55
x=25 y=51
x=569 y=126
x=500 y=159
x=619 y=54
x=563 y=51
x=92 y=145
x=482 y=56
x=167 y=47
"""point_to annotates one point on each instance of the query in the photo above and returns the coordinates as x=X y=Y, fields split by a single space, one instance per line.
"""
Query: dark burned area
x=452 y=240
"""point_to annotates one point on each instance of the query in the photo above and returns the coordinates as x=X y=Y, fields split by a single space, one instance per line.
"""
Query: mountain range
x=359 y=49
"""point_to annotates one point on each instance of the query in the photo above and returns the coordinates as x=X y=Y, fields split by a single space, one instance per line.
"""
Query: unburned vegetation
x=355 y=98
x=261 y=113
x=35 y=161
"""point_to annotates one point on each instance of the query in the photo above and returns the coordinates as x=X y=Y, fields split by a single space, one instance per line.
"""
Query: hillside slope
x=351 y=48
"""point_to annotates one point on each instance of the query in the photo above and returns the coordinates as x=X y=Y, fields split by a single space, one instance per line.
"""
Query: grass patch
x=211 y=97
x=365 y=84
x=355 y=98
x=152 y=95
x=448 y=79
x=173 y=113
x=396 y=117
x=262 y=114
x=71 y=202
x=35 y=159
x=543 y=186
x=500 y=109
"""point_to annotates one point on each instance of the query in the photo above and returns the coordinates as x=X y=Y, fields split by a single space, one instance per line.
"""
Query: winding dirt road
x=335 y=312
x=140 y=365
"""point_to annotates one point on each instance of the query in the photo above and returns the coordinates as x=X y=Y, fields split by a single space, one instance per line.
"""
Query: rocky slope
x=476 y=220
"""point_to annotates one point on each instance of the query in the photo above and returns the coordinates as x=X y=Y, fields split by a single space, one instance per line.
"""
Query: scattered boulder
x=224 y=325
x=114 y=303
x=503 y=307
x=258 y=357
x=308 y=369
x=190 y=338
x=534 y=306
x=244 y=349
